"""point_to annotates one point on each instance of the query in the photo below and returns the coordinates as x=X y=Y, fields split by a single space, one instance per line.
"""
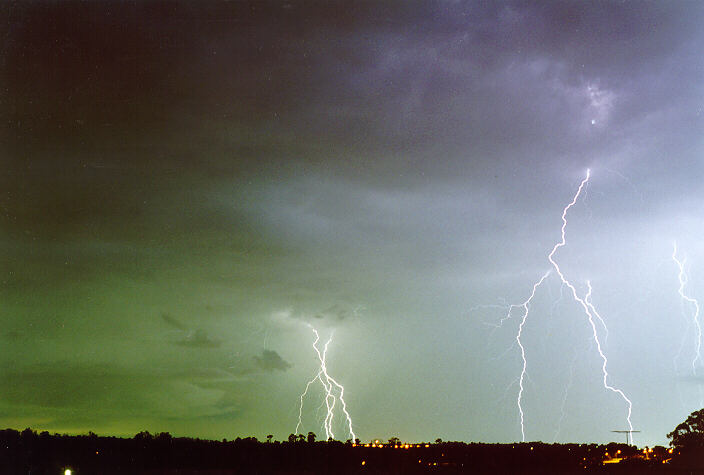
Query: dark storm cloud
x=113 y=112
x=199 y=339
x=270 y=360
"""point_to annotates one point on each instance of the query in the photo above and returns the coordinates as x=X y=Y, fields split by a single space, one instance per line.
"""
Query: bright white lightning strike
x=525 y=306
x=585 y=303
x=683 y=281
x=334 y=391
x=587 y=306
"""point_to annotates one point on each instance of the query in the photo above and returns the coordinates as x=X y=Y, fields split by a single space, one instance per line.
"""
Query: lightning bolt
x=682 y=276
x=526 y=307
x=334 y=392
x=586 y=305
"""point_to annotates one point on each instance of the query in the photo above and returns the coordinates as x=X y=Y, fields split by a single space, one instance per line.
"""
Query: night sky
x=185 y=187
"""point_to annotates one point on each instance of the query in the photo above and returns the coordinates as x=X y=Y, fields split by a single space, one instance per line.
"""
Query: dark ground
x=27 y=452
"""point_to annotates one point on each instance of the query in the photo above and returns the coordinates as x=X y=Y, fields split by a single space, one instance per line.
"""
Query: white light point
x=683 y=281
x=585 y=303
x=331 y=387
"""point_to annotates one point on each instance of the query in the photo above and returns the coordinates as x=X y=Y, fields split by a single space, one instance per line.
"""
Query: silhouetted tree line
x=28 y=452
x=688 y=442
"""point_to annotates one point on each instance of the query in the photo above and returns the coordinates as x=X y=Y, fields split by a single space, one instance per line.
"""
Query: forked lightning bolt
x=333 y=392
x=586 y=305
x=683 y=281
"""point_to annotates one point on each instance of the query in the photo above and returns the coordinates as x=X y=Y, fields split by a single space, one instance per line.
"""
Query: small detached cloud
x=171 y=321
x=194 y=338
x=199 y=339
x=331 y=315
x=338 y=313
x=270 y=360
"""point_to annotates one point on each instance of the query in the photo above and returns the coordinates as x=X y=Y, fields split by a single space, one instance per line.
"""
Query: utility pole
x=628 y=434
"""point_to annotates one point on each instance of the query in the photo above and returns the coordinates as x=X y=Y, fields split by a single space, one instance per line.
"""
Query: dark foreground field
x=27 y=452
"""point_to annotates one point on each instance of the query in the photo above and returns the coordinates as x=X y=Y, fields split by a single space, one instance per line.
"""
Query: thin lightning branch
x=683 y=281
x=588 y=301
x=563 y=405
x=525 y=306
x=300 y=408
x=585 y=306
x=553 y=308
x=333 y=391
x=504 y=353
x=557 y=301
x=490 y=306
